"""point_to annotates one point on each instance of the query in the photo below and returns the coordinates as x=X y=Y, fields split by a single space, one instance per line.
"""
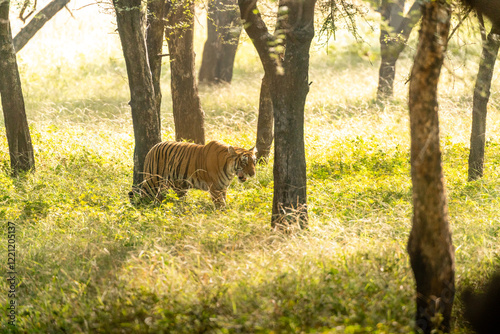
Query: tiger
x=181 y=166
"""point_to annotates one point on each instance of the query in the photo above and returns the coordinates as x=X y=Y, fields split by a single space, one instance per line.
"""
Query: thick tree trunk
x=480 y=103
x=154 y=42
x=42 y=17
x=395 y=29
x=430 y=245
x=130 y=20
x=289 y=86
x=16 y=124
x=223 y=34
x=188 y=115
x=264 y=122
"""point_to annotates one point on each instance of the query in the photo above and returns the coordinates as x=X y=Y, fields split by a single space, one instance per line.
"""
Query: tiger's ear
x=253 y=150
x=231 y=151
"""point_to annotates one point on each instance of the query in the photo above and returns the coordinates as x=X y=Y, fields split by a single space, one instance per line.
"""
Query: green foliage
x=90 y=262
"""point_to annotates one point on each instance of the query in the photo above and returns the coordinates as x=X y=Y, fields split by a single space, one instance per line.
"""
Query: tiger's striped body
x=181 y=166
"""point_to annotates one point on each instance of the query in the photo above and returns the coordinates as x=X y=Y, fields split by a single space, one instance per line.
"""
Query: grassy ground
x=88 y=261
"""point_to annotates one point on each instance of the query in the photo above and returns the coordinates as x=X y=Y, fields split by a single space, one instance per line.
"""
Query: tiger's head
x=244 y=163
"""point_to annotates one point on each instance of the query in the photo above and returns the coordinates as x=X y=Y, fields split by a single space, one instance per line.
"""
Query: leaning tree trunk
x=188 y=115
x=154 y=44
x=223 y=33
x=395 y=29
x=16 y=124
x=42 y=17
x=480 y=103
x=266 y=118
x=289 y=86
x=430 y=245
x=130 y=21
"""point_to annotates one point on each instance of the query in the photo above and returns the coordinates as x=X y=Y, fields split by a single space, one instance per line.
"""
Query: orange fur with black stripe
x=181 y=166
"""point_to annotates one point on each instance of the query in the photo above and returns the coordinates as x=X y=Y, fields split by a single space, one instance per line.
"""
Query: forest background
x=90 y=262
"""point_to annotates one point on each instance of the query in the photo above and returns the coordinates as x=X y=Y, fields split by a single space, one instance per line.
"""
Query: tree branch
x=411 y=18
x=42 y=17
x=257 y=30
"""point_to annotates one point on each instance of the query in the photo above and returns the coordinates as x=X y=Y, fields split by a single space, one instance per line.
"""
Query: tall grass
x=90 y=262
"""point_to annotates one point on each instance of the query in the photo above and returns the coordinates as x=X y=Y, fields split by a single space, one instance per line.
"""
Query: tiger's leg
x=219 y=198
x=180 y=188
x=160 y=190
x=181 y=193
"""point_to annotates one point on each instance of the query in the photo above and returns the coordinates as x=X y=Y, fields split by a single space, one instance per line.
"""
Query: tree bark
x=395 y=29
x=154 y=43
x=264 y=122
x=223 y=33
x=289 y=86
x=188 y=115
x=16 y=123
x=42 y=17
x=130 y=19
x=480 y=103
x=430 y=245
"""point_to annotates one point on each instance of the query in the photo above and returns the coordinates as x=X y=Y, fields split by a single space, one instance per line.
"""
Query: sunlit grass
x=90 y=262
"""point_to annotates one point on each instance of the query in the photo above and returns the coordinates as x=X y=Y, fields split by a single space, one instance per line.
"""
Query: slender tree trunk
x=211 y=48
x=480 y=103
x=223 y=33
x=230 y=31
x=16 y=123
x=42 y=17
x=130 y=19
x=154 y=42
x=430 y=245
x=289 y=86
x=188 y=115
x=395 y=29
x=264 y=122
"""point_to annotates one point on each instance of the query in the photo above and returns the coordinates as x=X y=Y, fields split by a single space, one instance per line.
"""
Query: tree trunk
x=211 y=47
x=42 y=17
x=480 y=103
x=16 y=124
x=130 y=20
x=188 y=115
x=490 y=8
x=154 y=43
x=230 y=31
x=264 y=122
x=395 y=29
x=223 y=34
x=289 y=92
x=430 y=245
x=289 y=86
